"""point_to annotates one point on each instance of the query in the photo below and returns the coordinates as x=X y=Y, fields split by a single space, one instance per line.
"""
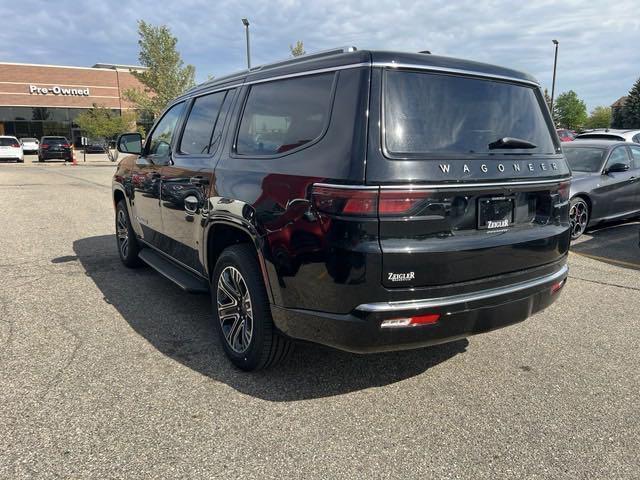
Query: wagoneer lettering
x=305 y=219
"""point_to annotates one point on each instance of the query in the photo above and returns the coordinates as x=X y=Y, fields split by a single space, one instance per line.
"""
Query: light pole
x=553 y=83
x=245 y=22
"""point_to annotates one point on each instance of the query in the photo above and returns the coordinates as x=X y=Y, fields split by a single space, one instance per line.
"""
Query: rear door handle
x=199 y=180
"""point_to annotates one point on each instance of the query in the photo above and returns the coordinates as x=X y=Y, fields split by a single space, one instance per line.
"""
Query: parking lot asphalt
x=113 y=373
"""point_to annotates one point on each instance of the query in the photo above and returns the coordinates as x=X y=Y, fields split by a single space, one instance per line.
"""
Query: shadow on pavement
x=614 y=243
x=179 y=325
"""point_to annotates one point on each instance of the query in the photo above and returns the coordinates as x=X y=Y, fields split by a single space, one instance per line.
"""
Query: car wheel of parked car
x=128 y=246
x=40 y=159
x=578 y=217
x=241 y=311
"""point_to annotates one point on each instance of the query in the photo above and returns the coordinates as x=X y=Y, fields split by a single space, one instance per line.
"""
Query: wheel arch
x=221 y=234
x=118 y=194
x=585 y=196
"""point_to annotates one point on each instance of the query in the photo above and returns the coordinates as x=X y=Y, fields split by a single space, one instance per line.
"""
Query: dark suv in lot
x=54 y=148
x=364 y=200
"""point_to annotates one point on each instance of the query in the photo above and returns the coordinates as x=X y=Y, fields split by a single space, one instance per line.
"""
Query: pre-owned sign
x=57 y=90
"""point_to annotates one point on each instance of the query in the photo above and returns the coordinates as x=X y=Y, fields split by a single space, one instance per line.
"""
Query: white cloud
x=599 y=55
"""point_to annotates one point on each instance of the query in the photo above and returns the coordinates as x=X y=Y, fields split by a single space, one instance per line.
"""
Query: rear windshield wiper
x=511 y=142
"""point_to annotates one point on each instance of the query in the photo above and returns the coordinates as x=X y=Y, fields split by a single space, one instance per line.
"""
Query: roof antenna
x=426 y=52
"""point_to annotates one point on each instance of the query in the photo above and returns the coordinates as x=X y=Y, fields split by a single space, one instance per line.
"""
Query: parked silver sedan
x=606 y=182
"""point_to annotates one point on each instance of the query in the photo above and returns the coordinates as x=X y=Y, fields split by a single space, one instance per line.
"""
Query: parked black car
x=364 y=200
x=94 y=146
x=54 y=148
x=606 y=182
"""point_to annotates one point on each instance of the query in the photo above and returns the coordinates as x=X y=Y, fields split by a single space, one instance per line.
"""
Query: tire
x=246 y=331
x=128 y=246
x=578 y=217
x=40 y=159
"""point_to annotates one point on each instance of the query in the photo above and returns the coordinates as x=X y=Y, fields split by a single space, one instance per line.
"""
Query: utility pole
x=245 y=22
x=553 y=83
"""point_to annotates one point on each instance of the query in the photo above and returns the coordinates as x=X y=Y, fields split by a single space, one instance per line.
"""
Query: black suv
x=365 y=200
x=55 y=148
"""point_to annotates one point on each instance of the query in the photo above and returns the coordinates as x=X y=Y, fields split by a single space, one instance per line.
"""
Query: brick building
x=37 y=100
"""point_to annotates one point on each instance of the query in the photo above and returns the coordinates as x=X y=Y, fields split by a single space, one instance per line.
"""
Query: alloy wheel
x=579 y=217
x=234 y=309
x=122 y=231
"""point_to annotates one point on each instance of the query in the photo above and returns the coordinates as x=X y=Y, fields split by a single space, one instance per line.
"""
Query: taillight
x=367 y=202
x=65 y=145
x=563 y=191
x=345 y=201
x=398 y=202
x=44 y=145
x=15 y=145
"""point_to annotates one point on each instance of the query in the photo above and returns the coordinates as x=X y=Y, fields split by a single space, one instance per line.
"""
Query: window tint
x=55 y=140
x=282 y=115
x=7 y=142
x=636 y=138
x=635 y=154
x=428 y=113
x=584 y=159
x=198 y=131
x=619 y=155
x=160 y=140
x=601 y=136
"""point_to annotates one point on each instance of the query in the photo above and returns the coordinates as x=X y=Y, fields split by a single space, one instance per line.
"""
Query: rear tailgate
x=456 y=235
x=472 y=180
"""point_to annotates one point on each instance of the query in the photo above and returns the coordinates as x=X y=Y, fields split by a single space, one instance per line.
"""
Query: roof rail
x=301 y=58
x=305 y=57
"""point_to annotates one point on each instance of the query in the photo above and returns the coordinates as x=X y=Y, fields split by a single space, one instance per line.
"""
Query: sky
x=599 y=53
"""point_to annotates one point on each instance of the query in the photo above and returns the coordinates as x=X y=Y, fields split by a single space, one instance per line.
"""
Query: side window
x=619 y=155
x=159 y=143
x=635 y=157
x=198 y=132
x=282 y=115
x=636 y=138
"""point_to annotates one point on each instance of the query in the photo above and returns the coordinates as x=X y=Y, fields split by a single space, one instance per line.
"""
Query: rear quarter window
x=435 y=114
x=284 y=115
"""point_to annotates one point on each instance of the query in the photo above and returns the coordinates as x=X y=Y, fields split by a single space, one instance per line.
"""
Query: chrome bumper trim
x=463 y=298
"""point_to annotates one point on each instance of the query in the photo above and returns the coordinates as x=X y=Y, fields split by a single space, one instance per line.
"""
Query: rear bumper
x=460 y=316
x=56 y=155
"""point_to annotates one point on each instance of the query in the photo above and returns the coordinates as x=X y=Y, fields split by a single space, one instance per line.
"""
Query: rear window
x=7 y=142
x=584 y=159
x=283 y=115
x=600 y=136
x=435 y=114
x=55 y=140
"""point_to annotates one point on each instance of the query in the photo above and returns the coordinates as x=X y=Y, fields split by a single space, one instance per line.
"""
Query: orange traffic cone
x=73 y=156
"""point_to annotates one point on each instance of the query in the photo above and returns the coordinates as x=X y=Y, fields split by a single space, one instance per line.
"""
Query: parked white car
x=620 y=135
x=30 y=145
x=11 y=149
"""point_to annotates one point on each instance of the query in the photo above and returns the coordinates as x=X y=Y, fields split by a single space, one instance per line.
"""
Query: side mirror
x=617 y=167
x=130 y=143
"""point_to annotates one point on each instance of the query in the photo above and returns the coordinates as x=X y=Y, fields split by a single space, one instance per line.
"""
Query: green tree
x=103 y=124
x=631 y=110
x=600 y=118
x=617 y=118
x=570 y=111
x=165 y=77
x=297 y=50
